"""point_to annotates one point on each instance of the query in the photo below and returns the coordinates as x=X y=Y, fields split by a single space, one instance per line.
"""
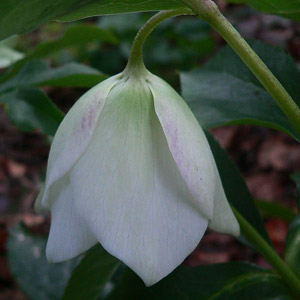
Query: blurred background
x=265 y=157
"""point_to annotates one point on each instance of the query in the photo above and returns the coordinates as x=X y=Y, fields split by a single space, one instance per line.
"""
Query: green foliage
x=32 y=71
x=21 y=16
x=222 y=92
x=296 y=177
x=275 y=210
x=178 y=43
x=225 y=91
x=74 y=35
x=30 y=108
x=232 y=281
x=292 y=245
x=108 y=7
x=91 y=275
x=39 y=73
x=39 y=279
x=288 y=9
x=236 y=189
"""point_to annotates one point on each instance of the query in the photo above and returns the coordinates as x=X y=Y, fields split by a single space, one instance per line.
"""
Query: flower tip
x=50 y=256
x=53 y=252
x=38 y=205
x=149 y=283
x=235 y=228
x=151 y=277
x=225 y=223
x=53 y=255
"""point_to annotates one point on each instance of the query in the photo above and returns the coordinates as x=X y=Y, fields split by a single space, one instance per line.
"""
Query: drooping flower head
x=131 y=168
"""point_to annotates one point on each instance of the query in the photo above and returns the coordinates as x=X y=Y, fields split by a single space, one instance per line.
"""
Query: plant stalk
x=280 y=266
x=136 y=55
x=208 y=11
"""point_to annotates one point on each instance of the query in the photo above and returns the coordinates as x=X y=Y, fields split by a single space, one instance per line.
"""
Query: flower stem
x=208 y=10
x=280 y=266
x=136 y=55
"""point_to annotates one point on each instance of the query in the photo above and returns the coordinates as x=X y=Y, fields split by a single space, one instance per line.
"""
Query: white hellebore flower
x=131 y=168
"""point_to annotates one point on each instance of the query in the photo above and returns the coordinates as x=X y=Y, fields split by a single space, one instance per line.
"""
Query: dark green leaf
x=296 y=177
x=91 y=275
x=292 y=245
x=75 y=35
x=286 y=8
x=236 y=189
x=38 y=72
x=226 y=92
x=30 y=108
x=275 y=210
x=280 y=63
x=22 y=16
x=229 y=281
x=28 y=264
x=109 y=7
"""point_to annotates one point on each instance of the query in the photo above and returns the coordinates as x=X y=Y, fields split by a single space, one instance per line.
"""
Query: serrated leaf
x=29 y=108
x=225 y=91
x=27 y=262
x=228 y=281
x=75 y=35
x=91 y=275
x=38 y=72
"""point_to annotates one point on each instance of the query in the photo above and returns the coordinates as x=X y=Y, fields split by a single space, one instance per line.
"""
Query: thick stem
x=136 y=56
x=208 y=10
x=283 y=270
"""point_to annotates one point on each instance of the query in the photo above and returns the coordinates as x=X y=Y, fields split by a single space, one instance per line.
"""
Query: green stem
x=208 y=10
x=283 y=270
x=136 y=56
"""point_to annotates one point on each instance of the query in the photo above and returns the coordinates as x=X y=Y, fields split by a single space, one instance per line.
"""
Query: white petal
x=223 y=219
x=129 y=190
x=38 y=206
x=69 y=234
x=187 y=142
x=74 y=133
x=193 y=156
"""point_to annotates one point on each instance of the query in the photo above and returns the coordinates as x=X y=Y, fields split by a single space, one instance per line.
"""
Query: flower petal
x=187 y=142
x=74 y=133
x=223 y=219
x=38 y=206
x=129 y=190
x=193 y=156
x=69 y=234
